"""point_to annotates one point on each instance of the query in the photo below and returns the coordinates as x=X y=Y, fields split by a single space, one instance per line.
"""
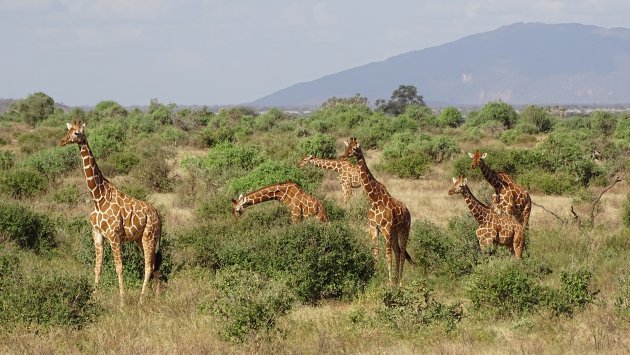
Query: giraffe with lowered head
x=349 y=174
x=512 y=198
x=494 y=228
x=386 y=214
x=117 y=217
x=300 y=203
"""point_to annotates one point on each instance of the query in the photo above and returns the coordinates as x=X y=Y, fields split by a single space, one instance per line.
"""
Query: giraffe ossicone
x=117 y=217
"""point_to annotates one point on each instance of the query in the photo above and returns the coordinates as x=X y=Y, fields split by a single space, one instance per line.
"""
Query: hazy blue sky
x=225 y=52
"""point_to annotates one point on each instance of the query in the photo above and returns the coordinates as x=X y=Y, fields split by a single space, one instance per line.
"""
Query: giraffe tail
x=408 y=258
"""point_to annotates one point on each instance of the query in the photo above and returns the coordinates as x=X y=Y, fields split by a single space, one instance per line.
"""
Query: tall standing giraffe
x=386 y=214
x=512 y=198
x=300 y=203
x=493 y=228
x=117 y=217
x=349 y=174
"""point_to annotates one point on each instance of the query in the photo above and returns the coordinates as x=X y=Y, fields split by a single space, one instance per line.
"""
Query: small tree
x=451 y=117
x=402 y=97
x=35 y=107
x=538 y=117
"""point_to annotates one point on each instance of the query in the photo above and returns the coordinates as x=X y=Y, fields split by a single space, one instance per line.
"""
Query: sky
x=213 y=52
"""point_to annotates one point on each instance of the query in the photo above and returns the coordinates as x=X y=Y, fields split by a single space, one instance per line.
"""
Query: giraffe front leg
x=98 y=262
x=116 y=253
x=374 y=237
x=347 y=192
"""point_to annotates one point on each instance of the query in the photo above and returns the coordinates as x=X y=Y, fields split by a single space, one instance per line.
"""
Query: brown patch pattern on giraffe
x=494 y=228
x=512 y=198
x=117 y=217
x=386 y=214
x=300 y=203
x=349 y=174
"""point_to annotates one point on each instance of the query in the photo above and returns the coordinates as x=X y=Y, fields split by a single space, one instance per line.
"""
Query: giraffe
x=349 y=174
x=291 y=194
x=386 y=214
x=117 y=217
x=512 y=198
x=494 y=228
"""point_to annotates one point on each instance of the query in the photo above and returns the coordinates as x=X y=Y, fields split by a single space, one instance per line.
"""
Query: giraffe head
x=458 y=185
x=476 y=158
x=305 y=160
x=238 y=206
x=352 y=147
x=75 y=134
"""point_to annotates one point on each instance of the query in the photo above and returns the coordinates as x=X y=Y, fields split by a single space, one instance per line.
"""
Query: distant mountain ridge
x=523 y=63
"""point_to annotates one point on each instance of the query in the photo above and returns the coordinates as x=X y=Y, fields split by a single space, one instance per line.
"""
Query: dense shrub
x=35 y=108
x=53 y=162
x=109 y=108
x=108 y=138
x=450 y=117
x=124 y=161
x=247 y=302
x=574 y=292
x=26 y=228
x=319 y=145
x=268 y=173
x=46 y=298
x=154 y=170
x=603 y=122
x=549 y=183
x=404 y=158
x=225 y=159
x=67 y=194
x=21 y=183
x=412 y=306
x=496 y=111
x=537 y=117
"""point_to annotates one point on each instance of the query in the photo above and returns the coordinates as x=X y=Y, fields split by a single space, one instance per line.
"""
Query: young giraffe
x=117 y=217
x=512 y=198
x=493 y=228
x=349 y=174
x=386 y=214
x=300 y=203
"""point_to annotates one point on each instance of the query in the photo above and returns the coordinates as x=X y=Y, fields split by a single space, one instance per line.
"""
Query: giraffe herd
x=120 y=218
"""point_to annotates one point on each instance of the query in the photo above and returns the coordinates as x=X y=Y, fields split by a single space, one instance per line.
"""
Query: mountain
x=523 y=63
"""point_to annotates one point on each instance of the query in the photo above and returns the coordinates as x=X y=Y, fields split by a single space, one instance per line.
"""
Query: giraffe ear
x=68 y=125
x=484 y=155
x=240 y=197
x=346 y=143
x=465 y=181
x=471 y=154
x=454 y=180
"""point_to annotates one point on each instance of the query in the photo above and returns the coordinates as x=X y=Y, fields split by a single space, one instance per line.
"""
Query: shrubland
x=259 y=283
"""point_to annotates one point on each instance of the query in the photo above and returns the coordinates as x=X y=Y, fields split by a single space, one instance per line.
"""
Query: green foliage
x=247 y=302
x=408 y=307
x=67 y=194
x=402 y=97
x=160 y=112
x=319 y=145
x=7 y=160
x=35 y=108
x=52 y=162
x=268 y=120
x=27 y=229
x=558 y=183
x=108 y=138
x=495 y=111
x=603 y=122
x=124 y=161
x=537 y=117
x=622 y=301
x=45 y=298
x=450 y=117
x=406 y=155
x=504 y=287
x=153 y=172
x=109 y=108
x=574 y=292
x=22 y=183
x=268 y=173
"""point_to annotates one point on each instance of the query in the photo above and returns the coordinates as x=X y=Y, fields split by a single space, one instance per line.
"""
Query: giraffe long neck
x=277 y=192
x=328 y=164
x=96 y=182
x=367 y=179
x=477 y=209
x=490 y=175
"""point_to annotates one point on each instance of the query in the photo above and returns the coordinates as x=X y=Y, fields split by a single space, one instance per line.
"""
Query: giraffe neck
x=277 y=192
x=367 y=179
x=96 y=182
x=477 y=209
x=490 y=175
x=328 y=164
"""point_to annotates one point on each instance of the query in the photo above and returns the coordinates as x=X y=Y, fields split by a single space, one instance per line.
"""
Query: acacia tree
x=35 y=107
x=402 y=97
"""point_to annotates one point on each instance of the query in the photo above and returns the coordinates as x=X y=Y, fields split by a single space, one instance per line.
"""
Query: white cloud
x=467 y=78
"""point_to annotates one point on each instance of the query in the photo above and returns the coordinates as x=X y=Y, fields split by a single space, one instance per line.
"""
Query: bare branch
x=619 y=178
x=550 y=212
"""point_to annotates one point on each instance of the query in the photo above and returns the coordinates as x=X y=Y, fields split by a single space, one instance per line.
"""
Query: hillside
x=520 y=63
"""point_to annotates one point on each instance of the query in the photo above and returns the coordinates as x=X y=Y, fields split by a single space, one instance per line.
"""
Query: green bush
x=404 y=158
x=35 y=108
x=538 y=117
x=268 y=173
x=558 y=183
x=47 y=299
x=496 y=111
x=574 y=292
x=21 y=183
x=450 y=117
x=124 y=161
x=53 y=162
x=409 y=307
x=26 y=228
x=108 y=138
x=247 y=302
x=67 y=194
x=109 y=108
x=603 y=122
x=319 y=145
